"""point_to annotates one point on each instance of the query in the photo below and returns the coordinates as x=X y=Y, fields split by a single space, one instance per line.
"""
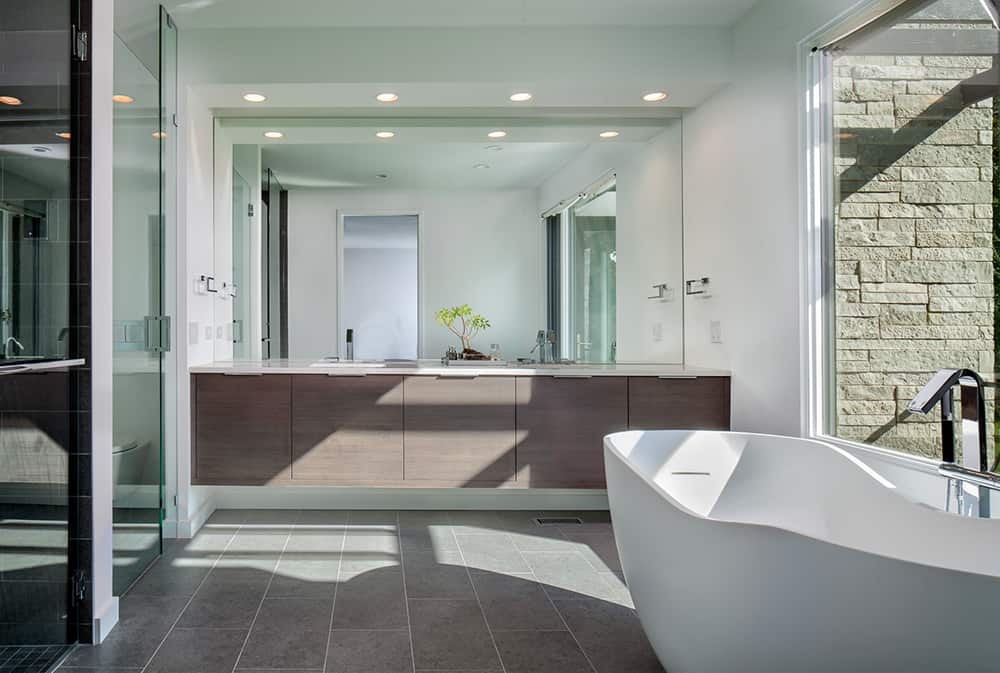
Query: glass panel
x=379 y=294
x=592 y=273
x=915 y=151
x=36 y=243
x=241 y=265
x=273 y=262
x=143 y=157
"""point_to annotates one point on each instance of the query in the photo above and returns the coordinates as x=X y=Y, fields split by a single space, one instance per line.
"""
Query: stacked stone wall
x=914 y=239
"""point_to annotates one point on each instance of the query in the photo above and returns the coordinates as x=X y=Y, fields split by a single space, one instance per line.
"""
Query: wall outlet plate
x=715 y=328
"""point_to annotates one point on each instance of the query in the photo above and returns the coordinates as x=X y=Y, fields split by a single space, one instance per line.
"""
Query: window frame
x=817 y=217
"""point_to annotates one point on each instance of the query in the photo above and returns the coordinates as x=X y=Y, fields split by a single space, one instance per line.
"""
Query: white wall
x=742 y=226
x=649 y=237
x=105 y=604
x=485 y=249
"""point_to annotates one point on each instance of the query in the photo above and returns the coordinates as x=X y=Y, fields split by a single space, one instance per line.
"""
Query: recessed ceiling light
x=159 y=134
x=122 y=98
x=387 y=97
x=481 y=166
x=41 y=149
x=521 y=97
x=10 y=100
x=254 y=97
x=609 y=134
x=274 y=135
x=385 y=135
x=497 y=134
x=655 y=96
x=495 y=148
x=65 y=135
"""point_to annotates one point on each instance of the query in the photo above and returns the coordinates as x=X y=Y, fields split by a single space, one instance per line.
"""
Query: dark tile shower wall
x=81 y=523
x=45 y=422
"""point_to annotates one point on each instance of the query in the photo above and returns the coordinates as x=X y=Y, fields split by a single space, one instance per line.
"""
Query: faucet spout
x=11 y=341
x=939 y=391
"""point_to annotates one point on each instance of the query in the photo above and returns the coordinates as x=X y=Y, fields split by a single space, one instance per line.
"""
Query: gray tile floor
x=380 y=592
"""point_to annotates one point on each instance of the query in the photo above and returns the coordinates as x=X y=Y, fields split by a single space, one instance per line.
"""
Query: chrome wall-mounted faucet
x=975 y=466
x=11 y=341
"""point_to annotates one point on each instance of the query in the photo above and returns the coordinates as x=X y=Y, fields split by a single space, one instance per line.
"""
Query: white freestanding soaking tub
x=752 y=553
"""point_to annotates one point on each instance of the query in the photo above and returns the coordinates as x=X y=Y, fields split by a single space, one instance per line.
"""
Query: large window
x=915 y=282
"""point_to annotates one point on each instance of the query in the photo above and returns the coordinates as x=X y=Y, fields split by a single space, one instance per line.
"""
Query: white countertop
x=435 y=368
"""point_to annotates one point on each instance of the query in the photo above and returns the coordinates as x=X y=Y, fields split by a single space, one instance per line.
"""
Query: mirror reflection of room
x=558 y=239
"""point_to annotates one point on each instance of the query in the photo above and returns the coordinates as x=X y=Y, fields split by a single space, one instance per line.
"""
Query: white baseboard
x=186 y=529
x=104 y=622
x=351 y=497
x=339 y=497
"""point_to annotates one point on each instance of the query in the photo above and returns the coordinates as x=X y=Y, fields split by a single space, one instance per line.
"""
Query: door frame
x=339 y=250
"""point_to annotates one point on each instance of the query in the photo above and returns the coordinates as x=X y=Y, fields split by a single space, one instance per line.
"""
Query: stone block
x=877 y=238
x=888 y=196
x=889 y=72
x=977 y=319
x=917 y=211
x=848 y=282
x=960 y=61
x=939 y=272
x=929 y=332
x=865 y=393
x=927 y=155
x=928 y=106
x=859 y=210
x=872 y=90
x=920 y=173
x=984 y=210
x=909 y=360
x=896 y=224
x=960 y=224
x=904 y=314
x=986 y=137
x=864 y=121
x=893 y=293
x=872 y=271
x=857 y=328
x=849 y=108
x=959 y=304
x=862 y=253
x=953 y=254
x=880 y=108
x=947 y=192
x=858 y=310
x=953 y=239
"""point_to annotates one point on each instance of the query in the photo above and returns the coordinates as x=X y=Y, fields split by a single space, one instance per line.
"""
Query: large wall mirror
x=564 y=233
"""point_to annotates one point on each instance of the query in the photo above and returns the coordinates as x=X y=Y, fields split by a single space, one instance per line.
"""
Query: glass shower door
x=38 y=447
x=242 y=205
x=592 y=270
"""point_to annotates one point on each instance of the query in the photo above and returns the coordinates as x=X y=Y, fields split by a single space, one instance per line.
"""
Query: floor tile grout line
x=246 y=639
x=191 y=599
x=556 y=608
x=406 y=593
x=336 y=588
x=475 y=592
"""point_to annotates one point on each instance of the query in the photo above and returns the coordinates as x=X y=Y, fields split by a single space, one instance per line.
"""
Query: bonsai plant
x=465 y=325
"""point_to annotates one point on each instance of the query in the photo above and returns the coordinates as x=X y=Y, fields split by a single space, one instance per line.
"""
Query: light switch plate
x=715 y=327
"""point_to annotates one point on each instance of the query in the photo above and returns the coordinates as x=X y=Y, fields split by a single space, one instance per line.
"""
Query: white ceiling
x=427 y=13
x=418 y=166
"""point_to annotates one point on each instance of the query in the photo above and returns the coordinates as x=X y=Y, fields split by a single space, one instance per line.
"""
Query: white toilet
x=128 y=469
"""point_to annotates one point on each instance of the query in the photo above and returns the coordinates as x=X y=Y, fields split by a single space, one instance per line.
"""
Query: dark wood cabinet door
x=459 y=431
x=561 y=423
x=679 y=404
x=347 y=429
x=242 y=427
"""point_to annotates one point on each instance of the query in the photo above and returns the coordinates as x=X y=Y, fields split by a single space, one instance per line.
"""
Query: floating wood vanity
x=288 y=424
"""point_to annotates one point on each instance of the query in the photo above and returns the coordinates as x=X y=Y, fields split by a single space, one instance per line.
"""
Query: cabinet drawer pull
x=348 y=374
x=242 y=373
x=680 y=377
x=458 y=376
x=572 y=376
